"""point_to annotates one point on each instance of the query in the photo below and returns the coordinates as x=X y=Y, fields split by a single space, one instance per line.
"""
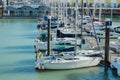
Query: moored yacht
x=114 y=32
x=72 y=62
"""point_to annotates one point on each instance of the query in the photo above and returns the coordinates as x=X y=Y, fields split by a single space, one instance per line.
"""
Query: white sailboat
x=72 y=62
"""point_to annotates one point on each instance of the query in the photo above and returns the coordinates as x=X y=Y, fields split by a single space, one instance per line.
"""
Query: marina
x=63 y=44
x=18 y=56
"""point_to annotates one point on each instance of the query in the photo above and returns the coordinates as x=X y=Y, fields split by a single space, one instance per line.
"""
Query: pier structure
x=24 y=11
x=37 y=9
x=28 y=11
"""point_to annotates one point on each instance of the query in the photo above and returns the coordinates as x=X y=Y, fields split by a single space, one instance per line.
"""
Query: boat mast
x=112 y=3
x=51 y=8
x=96 y=38
x=58 y=13
x=82 y=10
x=61 y=6
x=66 y=1
x=100 y=9
x=94 y=9
x=76 y=8
x=58 y=6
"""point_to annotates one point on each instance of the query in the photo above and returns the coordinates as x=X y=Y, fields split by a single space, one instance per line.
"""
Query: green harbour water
x=17 y=56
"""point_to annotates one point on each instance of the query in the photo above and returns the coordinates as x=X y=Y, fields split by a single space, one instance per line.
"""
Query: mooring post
x=108 y=23
x=49 y=36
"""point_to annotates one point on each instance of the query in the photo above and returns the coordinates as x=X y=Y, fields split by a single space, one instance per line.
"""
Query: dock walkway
x=112 y=57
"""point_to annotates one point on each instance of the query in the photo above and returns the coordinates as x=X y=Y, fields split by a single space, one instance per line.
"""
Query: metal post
x=49 y=37
x=7 y=2
x=108 y=23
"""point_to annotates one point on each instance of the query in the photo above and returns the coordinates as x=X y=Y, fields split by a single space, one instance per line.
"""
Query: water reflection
x=24 y=52
x=19 y=69
x=25 y=35
x=106 y=73
x=23 y=66
x=89 y=74
x=29 y=36
x=19 y=47
x=93 y=74
x=29 y=62
x=114 y=73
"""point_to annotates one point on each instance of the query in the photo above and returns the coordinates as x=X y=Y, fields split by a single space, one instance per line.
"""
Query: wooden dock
x=92 y=42
x=113 y=56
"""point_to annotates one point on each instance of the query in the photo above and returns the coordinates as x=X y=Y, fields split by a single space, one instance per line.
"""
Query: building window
x=21 y=13
x=31 y=13
x=12 y=13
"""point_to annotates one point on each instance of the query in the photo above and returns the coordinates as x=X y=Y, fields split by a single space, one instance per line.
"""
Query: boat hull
x=55 y=47
x=59 y=65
